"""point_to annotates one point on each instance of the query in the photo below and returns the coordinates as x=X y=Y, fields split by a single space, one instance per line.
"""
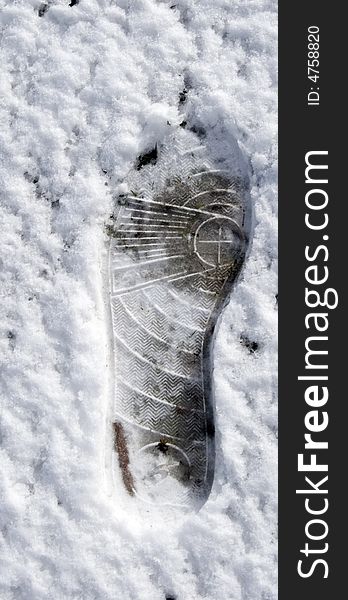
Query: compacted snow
x=85 y=88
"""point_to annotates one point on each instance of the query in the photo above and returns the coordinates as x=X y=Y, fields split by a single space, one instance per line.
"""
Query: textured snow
x=85 y=89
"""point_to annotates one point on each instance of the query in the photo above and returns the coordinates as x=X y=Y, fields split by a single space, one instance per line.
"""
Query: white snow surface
x=85 y=89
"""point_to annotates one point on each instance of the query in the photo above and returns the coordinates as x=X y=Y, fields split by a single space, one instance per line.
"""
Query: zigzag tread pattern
x=169 y=421
x=155 y=382
x=156 y=352
x=188 y=314
x=156 y=322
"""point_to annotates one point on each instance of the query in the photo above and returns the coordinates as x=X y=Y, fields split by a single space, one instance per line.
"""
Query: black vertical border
x=301 y=129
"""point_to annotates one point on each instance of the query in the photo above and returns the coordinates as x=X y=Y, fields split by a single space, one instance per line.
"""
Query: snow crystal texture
x=86 y=87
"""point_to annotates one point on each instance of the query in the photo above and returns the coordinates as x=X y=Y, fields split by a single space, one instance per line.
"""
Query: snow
x=84 y=90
